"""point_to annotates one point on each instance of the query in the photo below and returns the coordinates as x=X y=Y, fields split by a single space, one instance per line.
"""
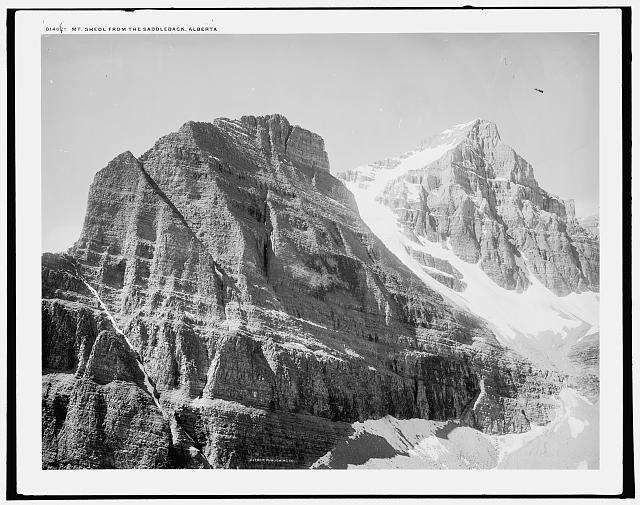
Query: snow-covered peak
x=375 y=176
x=453 y=135
x=428 y=151
x=441 y=213
x=471 y=130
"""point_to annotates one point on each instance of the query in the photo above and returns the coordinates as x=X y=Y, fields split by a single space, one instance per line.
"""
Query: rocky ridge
x=226 y=306
x=465 y=213
x=481 y=198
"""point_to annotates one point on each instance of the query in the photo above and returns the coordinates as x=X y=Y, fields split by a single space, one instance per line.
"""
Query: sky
x=369 y=96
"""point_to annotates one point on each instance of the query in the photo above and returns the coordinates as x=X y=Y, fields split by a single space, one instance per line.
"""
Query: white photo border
x=32 y=480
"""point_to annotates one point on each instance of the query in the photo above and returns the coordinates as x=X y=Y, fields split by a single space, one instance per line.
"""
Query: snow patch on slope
x=147 y=382
x=532 y=322
x=420 y=443
x=178 y=436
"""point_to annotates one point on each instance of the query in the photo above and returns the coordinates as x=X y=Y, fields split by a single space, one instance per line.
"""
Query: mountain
x=567 y=442
x=230 y=303
x=468 y=187
x=591 y=224
x=465 y=213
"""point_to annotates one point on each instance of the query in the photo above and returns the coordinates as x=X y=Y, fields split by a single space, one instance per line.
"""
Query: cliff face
x=465 y=213
x=226 y=306
x=482 y=199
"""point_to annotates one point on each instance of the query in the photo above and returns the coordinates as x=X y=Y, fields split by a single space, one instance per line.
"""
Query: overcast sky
x=368 y=96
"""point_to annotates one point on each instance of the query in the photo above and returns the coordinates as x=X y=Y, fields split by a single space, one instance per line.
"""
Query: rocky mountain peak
x=471 y=131
x=480 y=139
x=469 y=189
x=124 y=161
x=273 y=135
x=227 y=305
x=483 y=132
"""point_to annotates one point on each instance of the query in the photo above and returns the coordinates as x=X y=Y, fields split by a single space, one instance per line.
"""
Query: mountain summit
x=465 y=213
x=227 y=306
x=468 y=188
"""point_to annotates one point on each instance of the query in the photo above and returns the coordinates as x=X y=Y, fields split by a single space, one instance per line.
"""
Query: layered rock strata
x=466 y=198
x=482 y=199
x=258 y=315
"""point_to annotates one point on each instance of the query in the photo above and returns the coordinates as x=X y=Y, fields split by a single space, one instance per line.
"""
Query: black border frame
x=628 y=476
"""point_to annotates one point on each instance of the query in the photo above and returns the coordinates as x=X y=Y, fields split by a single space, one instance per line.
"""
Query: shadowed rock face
x=262 y=309
x=91 y=425
x=482 y=198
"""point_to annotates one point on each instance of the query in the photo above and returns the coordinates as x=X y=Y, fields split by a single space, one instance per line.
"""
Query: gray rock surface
x=591 y=224
x=91 y=425
x=482 y=197
x=265 y=313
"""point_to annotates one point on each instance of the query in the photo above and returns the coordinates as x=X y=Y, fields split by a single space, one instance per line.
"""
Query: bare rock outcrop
x=482 y=199
x=264 y=312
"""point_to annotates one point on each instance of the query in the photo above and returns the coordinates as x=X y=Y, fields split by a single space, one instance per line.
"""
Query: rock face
x=584 y=356
x=465 y=213
x=570 y=441
x=591 y=224
x=482 y=199
x=225 y=306
x=91 y=425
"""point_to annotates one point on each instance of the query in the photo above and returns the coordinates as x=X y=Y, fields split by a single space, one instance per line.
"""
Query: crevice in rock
x=171 y=205
x=176 y=429
x=467 y=415
x=267 y=249
x=224 y=279
x=286 y=140
x=149 y=386
x=265 y=257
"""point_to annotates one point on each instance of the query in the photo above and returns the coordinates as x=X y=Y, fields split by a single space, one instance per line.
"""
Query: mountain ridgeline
x=226 y=306
x=482 y=197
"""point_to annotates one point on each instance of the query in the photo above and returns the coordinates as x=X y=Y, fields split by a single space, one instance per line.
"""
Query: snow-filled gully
x=150 y=388
x=533 y=322
x=168 y=416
